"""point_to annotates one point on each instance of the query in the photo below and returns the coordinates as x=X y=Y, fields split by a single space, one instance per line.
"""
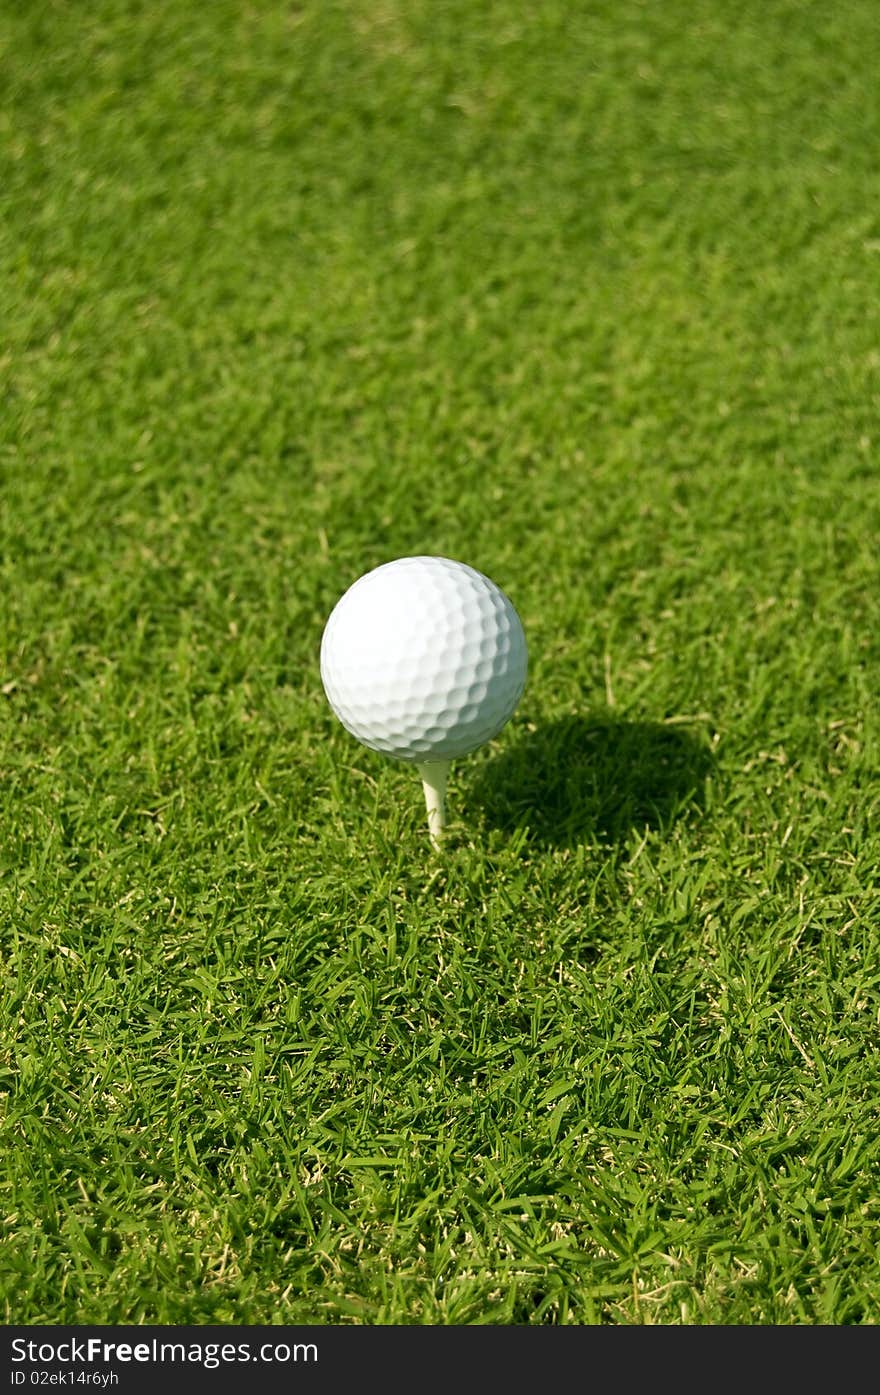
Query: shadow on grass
x=580 y=778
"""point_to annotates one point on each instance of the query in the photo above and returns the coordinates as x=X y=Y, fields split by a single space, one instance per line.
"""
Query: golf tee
x=434 y=775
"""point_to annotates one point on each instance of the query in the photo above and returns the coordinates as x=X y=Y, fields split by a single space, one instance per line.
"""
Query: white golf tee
x=434 y=775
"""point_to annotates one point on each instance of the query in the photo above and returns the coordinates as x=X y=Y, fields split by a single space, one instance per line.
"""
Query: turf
x=584 y=295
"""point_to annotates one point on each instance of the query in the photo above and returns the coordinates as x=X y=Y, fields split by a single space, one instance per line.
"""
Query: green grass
x=584 y=294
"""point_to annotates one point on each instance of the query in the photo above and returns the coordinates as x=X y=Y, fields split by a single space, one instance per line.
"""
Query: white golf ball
x=423 y=659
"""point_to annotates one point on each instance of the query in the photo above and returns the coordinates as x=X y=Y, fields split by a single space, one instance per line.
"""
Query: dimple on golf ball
x=423 y=659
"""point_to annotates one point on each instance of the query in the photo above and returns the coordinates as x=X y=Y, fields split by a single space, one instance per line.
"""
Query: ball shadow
x=581 y=778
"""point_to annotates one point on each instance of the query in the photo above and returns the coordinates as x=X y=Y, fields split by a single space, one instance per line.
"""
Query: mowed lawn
x=582 y=294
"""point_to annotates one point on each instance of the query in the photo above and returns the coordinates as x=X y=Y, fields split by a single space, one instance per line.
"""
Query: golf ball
x=423 y=659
